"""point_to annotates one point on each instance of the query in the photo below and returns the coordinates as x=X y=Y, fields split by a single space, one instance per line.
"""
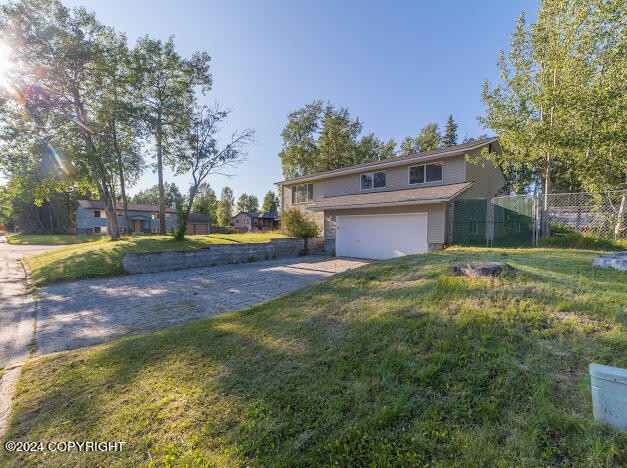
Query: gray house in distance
x=144 y=219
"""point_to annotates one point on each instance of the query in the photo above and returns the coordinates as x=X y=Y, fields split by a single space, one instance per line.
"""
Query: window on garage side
x=373 y=180
x=302 y=193
x=96 y=213
x=431 y=172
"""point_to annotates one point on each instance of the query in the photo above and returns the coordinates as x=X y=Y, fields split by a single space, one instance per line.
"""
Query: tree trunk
x=162 y=226
x=621 y=214
x=96 y=168
x=181 y=224
x=122 y=182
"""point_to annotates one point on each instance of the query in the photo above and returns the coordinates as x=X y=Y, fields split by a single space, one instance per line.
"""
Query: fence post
x=489 y=228
x=535 y=222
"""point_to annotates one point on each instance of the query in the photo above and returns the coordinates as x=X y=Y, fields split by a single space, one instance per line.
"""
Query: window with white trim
x=431 y=172
x=96 y=213
x=96 y=229
x=155 y=229
x=373 y=180
x=302 y=193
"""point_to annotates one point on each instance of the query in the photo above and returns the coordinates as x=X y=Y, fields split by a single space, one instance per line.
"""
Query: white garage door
x=381 y=236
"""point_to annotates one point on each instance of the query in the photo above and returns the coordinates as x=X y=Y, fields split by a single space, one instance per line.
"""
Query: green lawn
x=396 y=363
x=104 y=257
x=49 y=239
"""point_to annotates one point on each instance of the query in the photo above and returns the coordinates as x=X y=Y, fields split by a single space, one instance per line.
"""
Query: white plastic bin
x=609 y=395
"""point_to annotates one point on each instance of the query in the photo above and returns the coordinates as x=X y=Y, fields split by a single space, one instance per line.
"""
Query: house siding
x=486 y=177
x=397 y=178
x=85 y=221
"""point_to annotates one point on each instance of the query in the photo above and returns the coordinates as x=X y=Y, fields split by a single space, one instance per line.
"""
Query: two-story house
x=144 y=219
x=396 y=206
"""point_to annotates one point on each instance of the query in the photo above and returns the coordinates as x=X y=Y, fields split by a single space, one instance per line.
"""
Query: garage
x=381 y=236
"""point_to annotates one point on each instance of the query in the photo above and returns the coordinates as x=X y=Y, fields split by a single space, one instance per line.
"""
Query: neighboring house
x=144 y=219
x=198 y=224
x=396 y=206
x=252 y=221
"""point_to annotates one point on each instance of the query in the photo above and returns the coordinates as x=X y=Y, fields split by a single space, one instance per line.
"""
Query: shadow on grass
x=347 y=372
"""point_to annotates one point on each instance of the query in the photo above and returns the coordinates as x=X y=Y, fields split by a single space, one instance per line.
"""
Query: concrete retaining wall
x=217 y=254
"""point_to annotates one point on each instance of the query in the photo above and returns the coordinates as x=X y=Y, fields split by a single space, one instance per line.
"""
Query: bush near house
x=398 y=363
x=295 y=223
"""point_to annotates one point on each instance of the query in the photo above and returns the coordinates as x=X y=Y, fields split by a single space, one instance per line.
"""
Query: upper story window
x=431 y=172
x=302 y=193
x=96 y=213
x=373 y=180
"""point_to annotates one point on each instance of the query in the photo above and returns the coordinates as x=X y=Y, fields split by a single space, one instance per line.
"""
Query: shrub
x=295 y=223
x=575 y=240
x=560 y=228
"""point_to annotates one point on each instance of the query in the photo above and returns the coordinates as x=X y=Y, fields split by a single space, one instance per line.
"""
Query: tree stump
x=477 y=269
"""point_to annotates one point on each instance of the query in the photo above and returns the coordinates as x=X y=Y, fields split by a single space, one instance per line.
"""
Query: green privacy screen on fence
x=513 y=221
x=499 y=222
x=468 y=221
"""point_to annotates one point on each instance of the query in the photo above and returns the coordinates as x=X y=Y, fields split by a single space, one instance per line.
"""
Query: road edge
x=10 y=376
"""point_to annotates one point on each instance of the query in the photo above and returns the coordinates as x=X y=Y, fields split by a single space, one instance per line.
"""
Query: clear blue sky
x=396 y=65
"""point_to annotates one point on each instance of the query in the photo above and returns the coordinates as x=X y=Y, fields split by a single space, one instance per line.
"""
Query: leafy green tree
x=337 y=142
x=560 y=107
x=204 y=155
x=248 y=203
x=300 y=152
x=63 y=57
x=150 y=196
x=206 y=202
x=165 y=87
x=320 y=137
x=428 y=139
x=121 y=120
x=370 y=148
x=450 y=132
x=271 y=202
x=225 y=207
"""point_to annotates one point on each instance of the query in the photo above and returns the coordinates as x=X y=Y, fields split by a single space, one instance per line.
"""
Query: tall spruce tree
x=450 y=132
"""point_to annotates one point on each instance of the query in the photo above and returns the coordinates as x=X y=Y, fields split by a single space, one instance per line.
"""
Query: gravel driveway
x=77 y=314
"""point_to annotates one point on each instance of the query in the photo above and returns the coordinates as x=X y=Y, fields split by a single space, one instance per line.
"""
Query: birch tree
x=205 y=156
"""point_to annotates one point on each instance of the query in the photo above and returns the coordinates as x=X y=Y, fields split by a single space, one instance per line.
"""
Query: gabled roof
x=397 y=160
x=414 y=196
x=253 y=214
x=99 y=205
x=198 y=218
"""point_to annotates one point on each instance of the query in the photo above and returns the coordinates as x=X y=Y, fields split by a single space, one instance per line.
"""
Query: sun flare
x=6 y=63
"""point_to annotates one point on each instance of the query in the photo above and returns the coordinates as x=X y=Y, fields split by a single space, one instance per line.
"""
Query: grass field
x=49 y=239
x=104 y=257
x=398 y=363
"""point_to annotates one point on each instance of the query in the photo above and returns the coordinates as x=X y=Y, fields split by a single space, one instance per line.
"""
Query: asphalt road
x=16 y=310
x=16 y=320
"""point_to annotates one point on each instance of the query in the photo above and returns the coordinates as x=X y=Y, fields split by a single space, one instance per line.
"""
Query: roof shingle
x=446 y=151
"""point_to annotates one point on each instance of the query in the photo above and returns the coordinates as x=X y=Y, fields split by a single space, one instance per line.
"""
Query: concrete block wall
x=217 y=254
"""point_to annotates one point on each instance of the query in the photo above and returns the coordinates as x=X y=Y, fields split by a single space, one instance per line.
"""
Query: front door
x=137 y=226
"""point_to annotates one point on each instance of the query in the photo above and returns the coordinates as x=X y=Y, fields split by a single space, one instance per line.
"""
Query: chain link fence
x=521 y=220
